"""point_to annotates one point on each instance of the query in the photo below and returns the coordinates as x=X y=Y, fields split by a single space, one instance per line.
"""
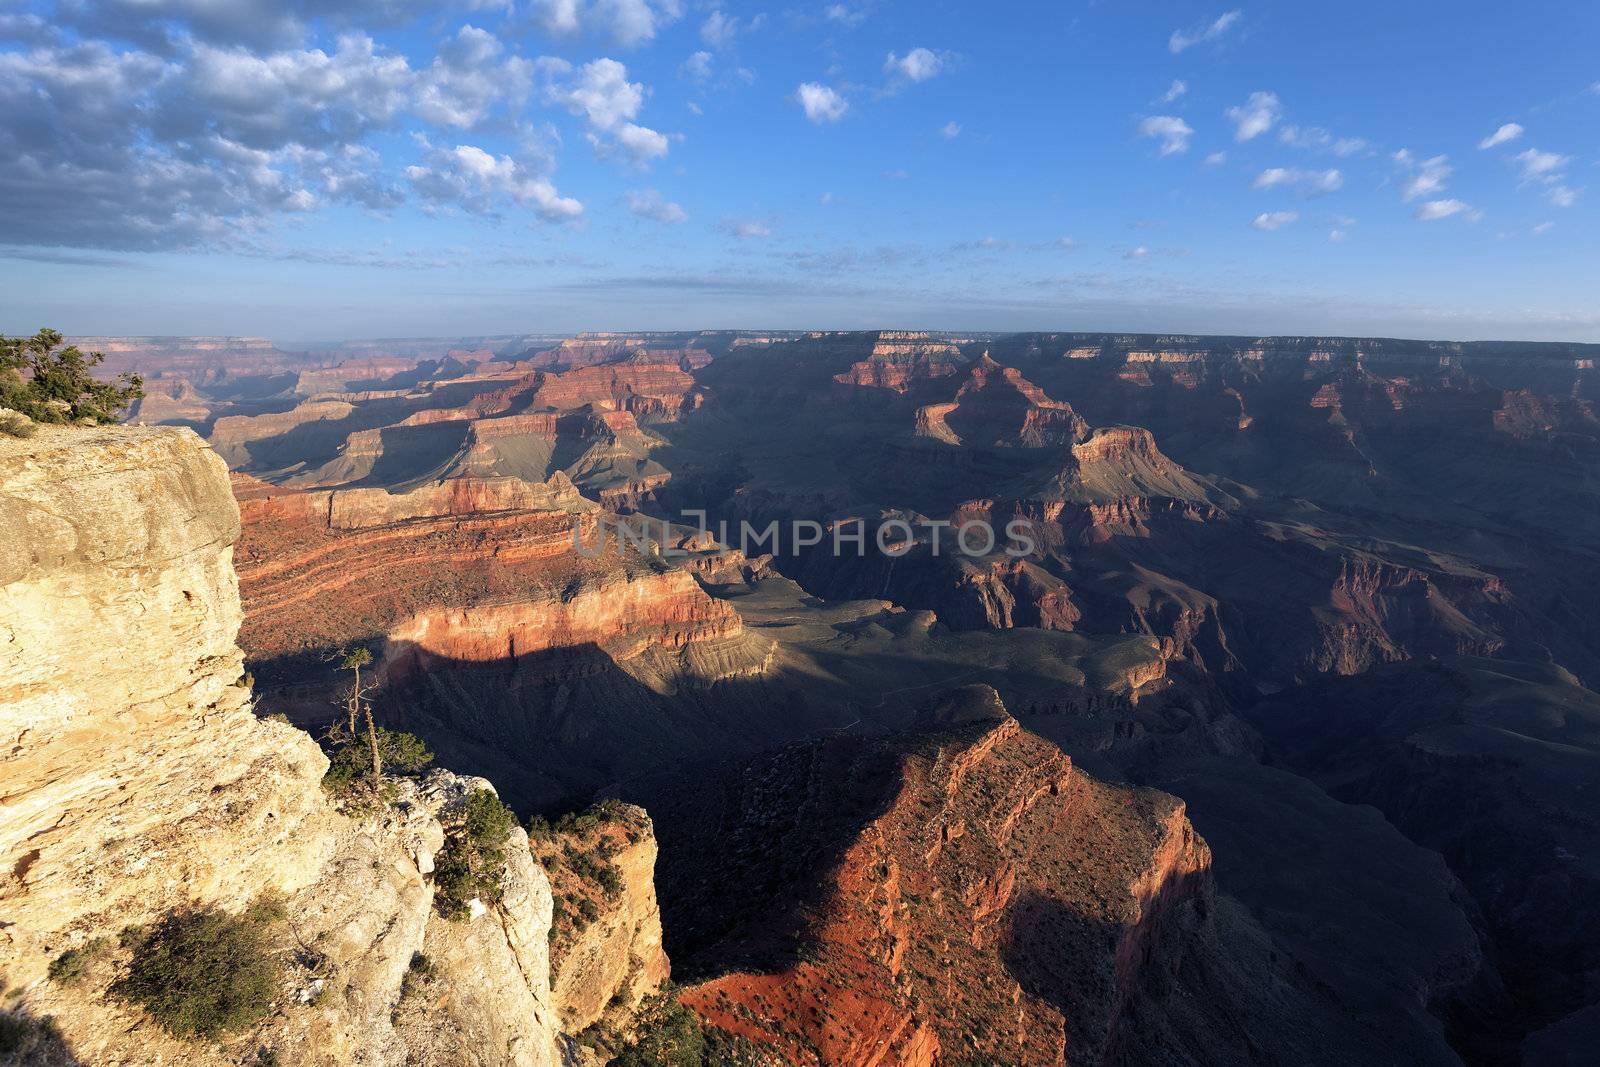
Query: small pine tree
x=357 y=704
x=48 y=383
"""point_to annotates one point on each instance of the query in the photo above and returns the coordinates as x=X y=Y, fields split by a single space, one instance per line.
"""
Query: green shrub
x=16 y=424
x=72 y=964
x=58 y=387
x=668 y=1034
x=486 y=820
x=403 y=754
x=472 y=862
x=205 y=973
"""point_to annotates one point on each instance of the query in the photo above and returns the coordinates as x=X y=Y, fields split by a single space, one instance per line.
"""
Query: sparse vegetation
x=204 y=973
x=401 y=753
x=48 y=383
x=72 y=964
x=668 y=1034
x=16 y=424
x=472 y=864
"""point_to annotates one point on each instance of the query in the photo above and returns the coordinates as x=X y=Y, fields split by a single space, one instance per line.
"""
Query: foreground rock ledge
x=134 y=779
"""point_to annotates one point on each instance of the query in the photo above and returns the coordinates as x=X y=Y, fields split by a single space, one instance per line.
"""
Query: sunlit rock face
x=138 y=781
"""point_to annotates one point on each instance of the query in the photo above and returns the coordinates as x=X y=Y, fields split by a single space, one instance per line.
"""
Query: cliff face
x=137 y=782
x=605 y=951
x=965 y=895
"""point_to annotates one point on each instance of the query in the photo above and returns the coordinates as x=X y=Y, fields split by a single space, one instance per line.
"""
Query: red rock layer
x=901 y=361
x=1001 y=908
x=997 y=405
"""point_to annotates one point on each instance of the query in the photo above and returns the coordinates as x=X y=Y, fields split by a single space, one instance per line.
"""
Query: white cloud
x=650 y=204
x=1216 y=159
x=718 y=30
x=601 y=93
x=951 y=130
x=1258 y=115
x=1427 y=177
x=1540 y=166
x=697 y=67
x=1543 y=228
x=1141 y=252
x=641 y=143
x=279 y=98
x=468 y=177
x=1209 y=31
x=629 y=23
x=1310 y=182
x=821 y=103
x=1504 y=135
x=1434 y=210
x=917 y=65
x=845 y=14
x=1175 y=91
x=468 y=77
x=1172 y=131
x=1275 y=220
x=1337 y=236
x=1562 y=196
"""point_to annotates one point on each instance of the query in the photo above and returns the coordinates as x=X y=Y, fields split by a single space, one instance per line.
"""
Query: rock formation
x=138 y=782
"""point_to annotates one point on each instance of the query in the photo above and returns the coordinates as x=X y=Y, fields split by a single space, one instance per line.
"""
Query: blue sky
x=399 y=168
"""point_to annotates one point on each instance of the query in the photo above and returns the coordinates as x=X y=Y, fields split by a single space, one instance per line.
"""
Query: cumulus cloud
x=821 y=103
x=1425 y=177
x=650 y=204
x=470 y=74
x=630 y=23
x=1275 y=220
x=127 y=150
x=1172 y=132
x=304 y=96
x=951 y=130
x=1175 y=91
x=1182 y=40
x=160 y=25
x=468 y=177
x=917 y=65
x=1310 y=182
x=204 y=141
x=1504 y=135
x=601 y=94
x=1434 y=210
x=1255 y=117
x=1216 y=159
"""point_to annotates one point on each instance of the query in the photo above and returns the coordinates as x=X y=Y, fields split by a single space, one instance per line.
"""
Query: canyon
x=1273 y=743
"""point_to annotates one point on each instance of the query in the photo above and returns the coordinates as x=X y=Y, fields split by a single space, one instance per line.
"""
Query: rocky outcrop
x=605 y=951
x=623 y=614
x=357 y=509
x=899 y=362
x=997 y=406
x=138 y=782
x=963 y=894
